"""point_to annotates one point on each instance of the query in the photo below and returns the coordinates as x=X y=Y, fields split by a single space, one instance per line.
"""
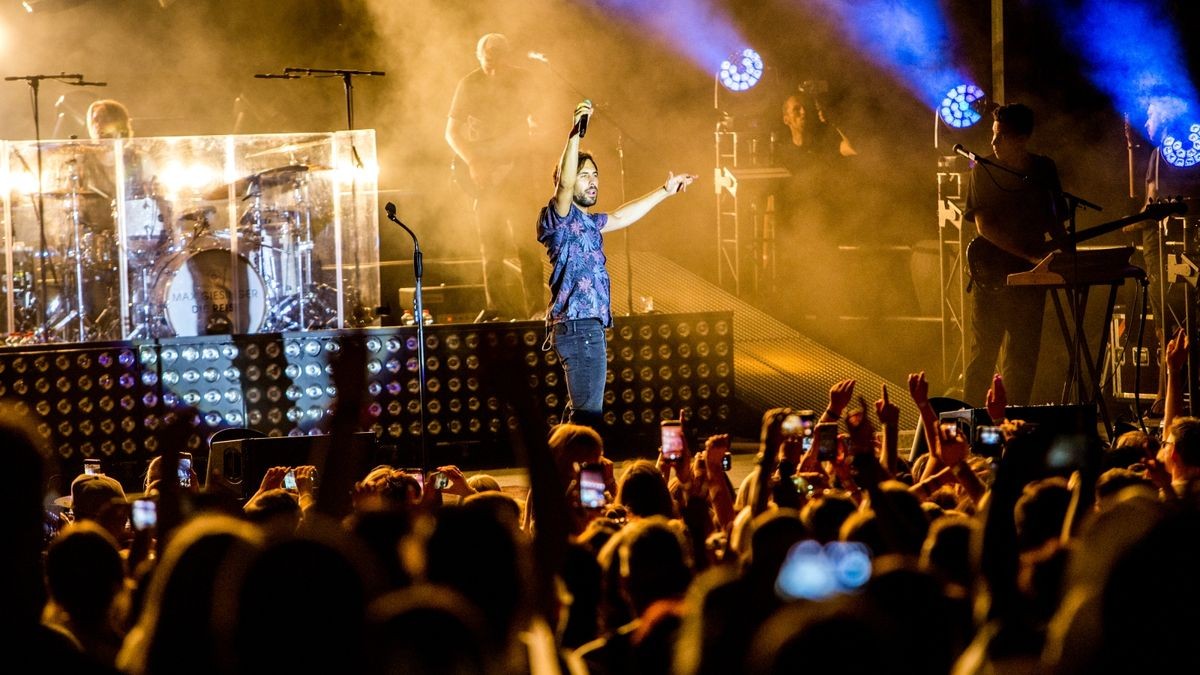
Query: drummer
x=108 y=118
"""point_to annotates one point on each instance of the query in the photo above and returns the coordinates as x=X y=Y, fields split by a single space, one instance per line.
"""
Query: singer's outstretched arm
x=632 y=211
x=568 y=166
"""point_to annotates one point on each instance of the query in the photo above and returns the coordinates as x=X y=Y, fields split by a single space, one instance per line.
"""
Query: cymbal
x=69 y=193
x=288 y=148
x=267 y=179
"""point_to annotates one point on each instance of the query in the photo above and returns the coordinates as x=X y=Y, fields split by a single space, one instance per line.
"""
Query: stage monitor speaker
x=239 y=465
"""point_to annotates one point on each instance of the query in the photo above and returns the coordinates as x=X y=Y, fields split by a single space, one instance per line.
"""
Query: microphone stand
x=347 y=76
x=35 y=81
x=419 y=313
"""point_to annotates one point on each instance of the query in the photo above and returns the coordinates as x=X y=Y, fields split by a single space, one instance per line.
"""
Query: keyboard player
x=1024 y=218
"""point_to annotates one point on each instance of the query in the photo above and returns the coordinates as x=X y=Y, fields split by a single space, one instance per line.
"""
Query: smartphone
x=289 y=480
x=989 y=441
x=672 y=440
x=440 y=480
x=727 y=461
x=185 y=469
x=144 y=514
x=826 y=435
x=591 y=486
x=950 y=426
x=92 y=467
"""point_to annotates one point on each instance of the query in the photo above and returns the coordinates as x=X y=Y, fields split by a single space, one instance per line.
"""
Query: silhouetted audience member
x=86 y=579
x=428 y=630
x=655 y=570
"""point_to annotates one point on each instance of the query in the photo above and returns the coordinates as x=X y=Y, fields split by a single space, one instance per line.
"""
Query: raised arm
x=1177 y=354
x=568 y=165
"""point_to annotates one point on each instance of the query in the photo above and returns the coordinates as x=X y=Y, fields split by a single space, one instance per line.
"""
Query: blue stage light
x=1182 y=152
x=960 y=107
x=741 y=71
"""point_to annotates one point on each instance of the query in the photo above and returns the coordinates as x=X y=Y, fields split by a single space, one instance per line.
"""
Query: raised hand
x=1177 y=351
x=678 y=183
x=918 y=388
x=887 y=412
x=997 y=399
x=839 y=397
x=952 y=446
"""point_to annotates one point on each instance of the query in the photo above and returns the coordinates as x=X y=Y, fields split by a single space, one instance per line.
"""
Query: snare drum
x=210 y=292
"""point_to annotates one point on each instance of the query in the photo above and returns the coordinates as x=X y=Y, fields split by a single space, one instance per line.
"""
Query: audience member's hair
x=642 y=490
x=1040 y=512
x=482 y=482
x=824 y=516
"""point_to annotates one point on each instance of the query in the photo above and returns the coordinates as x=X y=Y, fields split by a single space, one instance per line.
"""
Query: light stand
x=419 y=313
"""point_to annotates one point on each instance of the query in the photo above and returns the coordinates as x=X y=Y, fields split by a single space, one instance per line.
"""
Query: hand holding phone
x=826 y=435
x=289 y=480
x=672 y=440
x=185 y=469
x=591 y=486
x=440 y=480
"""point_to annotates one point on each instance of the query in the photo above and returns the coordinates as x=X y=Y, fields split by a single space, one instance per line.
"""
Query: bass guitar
x=990 y=265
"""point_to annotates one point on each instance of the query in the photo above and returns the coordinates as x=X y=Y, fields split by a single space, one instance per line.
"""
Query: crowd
x=1033 y=552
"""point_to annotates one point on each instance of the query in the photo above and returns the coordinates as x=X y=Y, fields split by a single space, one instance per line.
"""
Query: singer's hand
x=584 y=109
x=678 y=183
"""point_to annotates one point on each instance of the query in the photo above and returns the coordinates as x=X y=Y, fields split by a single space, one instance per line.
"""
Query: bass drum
x=210 y=292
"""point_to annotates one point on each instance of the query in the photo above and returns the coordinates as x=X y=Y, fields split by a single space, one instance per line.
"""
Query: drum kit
x=191 y=274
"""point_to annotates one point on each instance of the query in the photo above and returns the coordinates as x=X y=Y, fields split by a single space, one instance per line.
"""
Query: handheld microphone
x=583 y=125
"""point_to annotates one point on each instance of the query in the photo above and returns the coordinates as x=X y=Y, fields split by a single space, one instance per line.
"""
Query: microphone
x=961 y=151
x=391 y=210
x=583 y=121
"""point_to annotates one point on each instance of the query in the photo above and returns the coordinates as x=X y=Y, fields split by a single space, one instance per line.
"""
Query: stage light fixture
x=1182 y=152
x=960 y=106
x=741 y=71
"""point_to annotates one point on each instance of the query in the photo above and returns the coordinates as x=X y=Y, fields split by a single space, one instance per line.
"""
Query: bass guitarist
x=489 y=130
x=1023 y=218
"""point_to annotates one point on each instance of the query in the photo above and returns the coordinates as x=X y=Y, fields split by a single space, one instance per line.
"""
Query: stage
x=108 y=400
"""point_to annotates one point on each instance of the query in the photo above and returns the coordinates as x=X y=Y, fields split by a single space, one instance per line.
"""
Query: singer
x=1022 y=220
x=580 y=310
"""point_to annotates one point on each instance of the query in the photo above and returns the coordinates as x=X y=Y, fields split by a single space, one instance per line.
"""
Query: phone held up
x=185 y=469
x=91 y=467
x=672 y=440
x=591 y=486
x=826 y=435
x=440 y=480
x=144 y=514
x=289 y=480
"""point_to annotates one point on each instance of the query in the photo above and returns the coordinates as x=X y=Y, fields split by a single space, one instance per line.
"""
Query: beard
x=584 y=200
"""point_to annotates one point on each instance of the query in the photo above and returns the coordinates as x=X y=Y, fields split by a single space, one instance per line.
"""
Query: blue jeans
x=583 y=350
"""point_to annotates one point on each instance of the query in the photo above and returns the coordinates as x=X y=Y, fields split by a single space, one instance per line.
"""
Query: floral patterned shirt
x=579 y=284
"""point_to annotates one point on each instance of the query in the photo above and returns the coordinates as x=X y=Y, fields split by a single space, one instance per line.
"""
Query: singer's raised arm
x=568 y=166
